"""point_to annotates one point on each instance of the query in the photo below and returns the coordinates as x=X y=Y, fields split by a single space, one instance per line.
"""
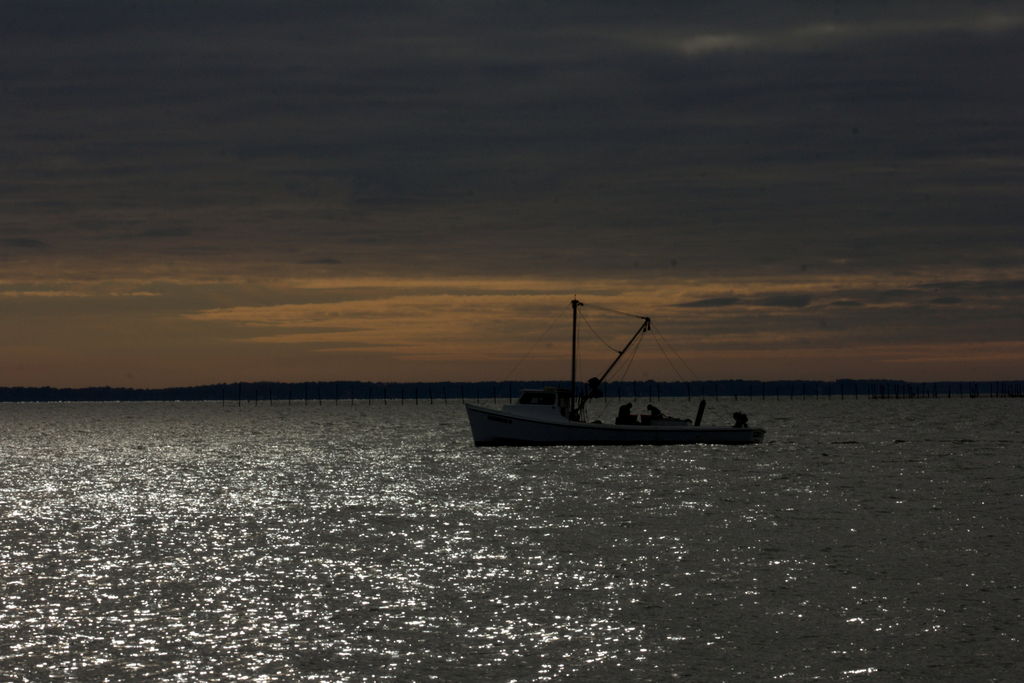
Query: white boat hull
x=504 y=428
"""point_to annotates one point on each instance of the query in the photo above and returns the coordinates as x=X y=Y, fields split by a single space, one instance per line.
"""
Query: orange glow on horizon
x=155 y=334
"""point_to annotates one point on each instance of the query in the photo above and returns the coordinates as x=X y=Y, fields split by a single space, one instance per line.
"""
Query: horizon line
x=548 y=382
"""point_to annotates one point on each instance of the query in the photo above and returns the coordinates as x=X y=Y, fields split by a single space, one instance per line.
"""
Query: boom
x=596 y=382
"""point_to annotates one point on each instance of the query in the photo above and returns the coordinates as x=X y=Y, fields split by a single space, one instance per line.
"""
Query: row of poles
x=876 y=391
x=415 y=398
x=974 y=390
x=337 y=395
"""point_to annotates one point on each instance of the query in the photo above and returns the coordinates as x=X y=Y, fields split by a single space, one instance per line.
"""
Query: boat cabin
x=557 y=399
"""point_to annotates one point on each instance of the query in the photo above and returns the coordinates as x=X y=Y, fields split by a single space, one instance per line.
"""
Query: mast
x=572 y=399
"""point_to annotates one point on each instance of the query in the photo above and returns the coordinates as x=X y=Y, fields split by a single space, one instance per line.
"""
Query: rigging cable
x=636 y=348
x=659 y=334
x=620 y=372
x=610 y=347
x=697 y=377
x=612 y=310
x=601 y=339
x=537 y=342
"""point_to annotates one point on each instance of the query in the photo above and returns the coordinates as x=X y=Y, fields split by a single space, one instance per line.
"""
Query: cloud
x=536 y=128
x=814 y=36
x=322 y=174
x=166 y=232
x=784 y=300
x=23 y=243
x=715 y=302
x=81 y=292
x=43 y=294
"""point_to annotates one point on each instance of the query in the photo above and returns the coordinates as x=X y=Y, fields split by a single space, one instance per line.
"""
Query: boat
x=552 y=416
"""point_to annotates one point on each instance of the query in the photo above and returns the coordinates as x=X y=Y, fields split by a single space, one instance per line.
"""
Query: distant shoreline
x=338 y=391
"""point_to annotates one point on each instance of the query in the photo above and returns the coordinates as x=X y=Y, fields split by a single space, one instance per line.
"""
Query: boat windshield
x=538 y=398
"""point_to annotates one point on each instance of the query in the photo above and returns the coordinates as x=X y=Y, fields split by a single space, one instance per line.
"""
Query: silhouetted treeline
x=415 y=392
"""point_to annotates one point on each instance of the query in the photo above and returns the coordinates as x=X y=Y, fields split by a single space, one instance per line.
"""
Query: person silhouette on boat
x=655 y=413
x=625 y=417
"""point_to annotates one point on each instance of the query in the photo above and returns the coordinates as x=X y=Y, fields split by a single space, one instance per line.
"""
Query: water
x=866 y=540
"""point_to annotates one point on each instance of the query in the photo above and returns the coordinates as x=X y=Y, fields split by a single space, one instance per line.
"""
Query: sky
x=204 y=192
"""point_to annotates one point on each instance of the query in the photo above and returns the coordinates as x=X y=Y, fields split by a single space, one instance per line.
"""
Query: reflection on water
x=865 y=540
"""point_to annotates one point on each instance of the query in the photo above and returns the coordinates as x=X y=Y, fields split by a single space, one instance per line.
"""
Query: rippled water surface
x=866 y=540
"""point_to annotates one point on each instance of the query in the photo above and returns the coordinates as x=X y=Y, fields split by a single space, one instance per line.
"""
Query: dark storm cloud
x=644 y=136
